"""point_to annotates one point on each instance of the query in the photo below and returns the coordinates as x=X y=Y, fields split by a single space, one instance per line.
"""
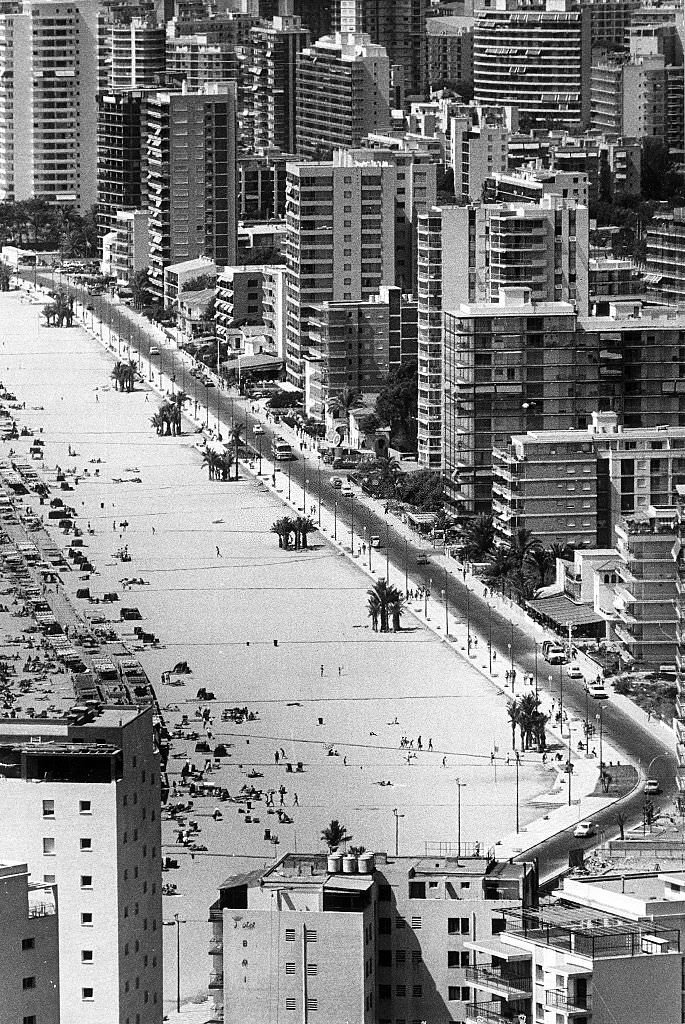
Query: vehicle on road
x=574 y=672
x=346 y=488
x=554 y=653
x=258 y=429
x=584 y=830
x=375 y=541
x=652 y=786
x=281 y=450
x=422 y=560
x=598 y=691
x=154 y=351
x=336 y=482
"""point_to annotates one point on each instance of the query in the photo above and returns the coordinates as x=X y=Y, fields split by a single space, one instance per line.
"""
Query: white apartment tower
x=48 y=82
x=345 y=236
x=80 y=805
x=191 y=159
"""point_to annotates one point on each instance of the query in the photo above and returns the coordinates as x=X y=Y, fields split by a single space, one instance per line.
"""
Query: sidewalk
x=430 y=613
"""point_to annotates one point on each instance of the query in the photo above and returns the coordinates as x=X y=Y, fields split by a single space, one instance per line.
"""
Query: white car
x=652 y=786
x=346 y=489
x=584 y=830
x=574 y=672
x=154 y=351
x=259 y=429
x=336 y=482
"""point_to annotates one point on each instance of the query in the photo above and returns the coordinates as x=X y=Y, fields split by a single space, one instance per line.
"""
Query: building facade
x=343 y=93
x=132 y=53
x=191 y=159
x=274 y=82
x=374 y=939
x=536 y=58
x=48 y=82
x=665 y=242
x=92 y=826
x=121 y=155
x=29 y=948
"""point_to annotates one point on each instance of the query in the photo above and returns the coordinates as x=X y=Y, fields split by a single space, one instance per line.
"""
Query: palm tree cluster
x=525 y=714
x=59 y=312
x=385 y=604
x=335 y=835
x=124 y=376
x=524 y=566
x=167 y=419
x=37 y=223
x=218 y=463
x=298 y=529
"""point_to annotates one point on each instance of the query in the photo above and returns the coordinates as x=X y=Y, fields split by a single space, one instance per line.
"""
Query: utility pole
x=517 y=793
x=459 y=787
x=397 y=830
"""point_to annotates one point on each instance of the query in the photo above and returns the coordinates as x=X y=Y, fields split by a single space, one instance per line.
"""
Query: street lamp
x=318 y=483
x=304 y=493
x=490 y=635
x=468 y=619
x=536 y=671
x=178 y=922
x=335 y=515
x=598 y=718
x=406 y=566
x=460 y=784
x=352 y=500
x=397 y=830
x=387 y=553
x=426 y=595
x=518 y=825
x=561 y=698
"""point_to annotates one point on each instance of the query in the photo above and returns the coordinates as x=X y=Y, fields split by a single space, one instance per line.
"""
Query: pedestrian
x=154 y=531
x=281 y=793
x=339 y=670
x=419 y=744
x=296 y=802
x=444 y=762
x=276 y=757
x=322 y=671
x=345 y=760
x=430 y=743
x=147 y=397
x=218 y=553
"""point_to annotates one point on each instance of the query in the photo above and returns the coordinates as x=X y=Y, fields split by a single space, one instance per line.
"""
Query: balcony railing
x=216 y=948
x=492 y=1012
x=561 y=1000
x=216 y=980
x=494 y=979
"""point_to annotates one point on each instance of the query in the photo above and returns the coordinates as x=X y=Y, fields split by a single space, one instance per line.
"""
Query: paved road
x=630 y=739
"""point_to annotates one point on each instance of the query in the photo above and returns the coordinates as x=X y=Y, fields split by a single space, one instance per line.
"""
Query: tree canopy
x=397 y=403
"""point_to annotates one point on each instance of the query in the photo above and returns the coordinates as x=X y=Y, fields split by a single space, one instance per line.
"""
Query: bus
x=281 y=450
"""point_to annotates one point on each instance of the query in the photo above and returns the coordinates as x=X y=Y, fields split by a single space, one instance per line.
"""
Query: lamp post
x=178 y=922
x=569 y=766
x=490 y=635
x=352 y=500
x=318 y=483
x=518 y=824
x=536 y=671
x=459 y=788
x=598 y=718
x=387 y=553
x=447 y=621
x=304 y=492
x=426 y=595
x=468 y=619
x=561 y=698
x=335 y=516
x=259 y=471
x=406 y=566
x=397 y=830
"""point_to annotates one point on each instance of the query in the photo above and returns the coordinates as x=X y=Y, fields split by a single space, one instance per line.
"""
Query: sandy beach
x=284 y=633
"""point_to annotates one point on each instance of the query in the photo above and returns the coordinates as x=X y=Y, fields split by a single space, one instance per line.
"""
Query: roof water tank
x=349 y=864
x=335 y=863
x=366 y=863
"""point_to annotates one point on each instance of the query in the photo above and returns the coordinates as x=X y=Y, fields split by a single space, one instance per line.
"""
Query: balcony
x=216 y=948
x=495 y=980
x=216 y=980
x=559 y=999
x=491 y=1012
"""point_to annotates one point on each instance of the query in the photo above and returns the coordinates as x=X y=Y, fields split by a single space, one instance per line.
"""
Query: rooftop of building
x=202 y=264
x=604 y=427
x=513 y=302
x=107 y=716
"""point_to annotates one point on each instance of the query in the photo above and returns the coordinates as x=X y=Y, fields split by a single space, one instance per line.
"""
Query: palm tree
x=277 y=528
x=374 y=608
x=225 y=463
x=212 y=460
x=303 y=527
x=479 y=537
x=499 y=569
x=513 y=713
x=335 y=835
x=236 y=438
x=387 y=600
x=396 y=607
x=538 y=567
x=522 y=544
x=140 y=289
x=158 y=423
x=116 y=374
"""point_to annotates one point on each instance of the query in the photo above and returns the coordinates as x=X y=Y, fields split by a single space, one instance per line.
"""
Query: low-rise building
x=29 y=948
x=179 y=275
x=126 y=248
x=254 y=293
x=370 y=938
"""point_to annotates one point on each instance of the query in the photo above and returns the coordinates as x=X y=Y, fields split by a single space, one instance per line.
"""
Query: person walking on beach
x=218 y=553
x=296 y=802
x=322 y=671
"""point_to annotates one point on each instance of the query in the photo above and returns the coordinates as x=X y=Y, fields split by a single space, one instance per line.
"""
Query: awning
x=564 y=612
x=349 y=883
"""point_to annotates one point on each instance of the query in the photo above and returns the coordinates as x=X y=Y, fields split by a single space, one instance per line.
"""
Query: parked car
x=584 y=830
x=574 y=672
x=154 y=351
x=597 y=691
x=336 y=482
x=652 y=786
x=259 y=429
x=422 y=560
x=346 y=488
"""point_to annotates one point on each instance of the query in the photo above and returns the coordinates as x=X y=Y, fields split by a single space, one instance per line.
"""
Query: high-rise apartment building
x=80 y=804
x=629 y=96
x=197 y=59
x=537 y=58
x=470 y=254
x=369 y=939
x=191 y=158
x=665 y=243
x=29 y=948
x=343 y=90
x=518 y=365
x=48 y=82
x=274 y=76
x=449 y=57
x=479 y=147
x=397 y=25
x=132 y=53
x=121 y=164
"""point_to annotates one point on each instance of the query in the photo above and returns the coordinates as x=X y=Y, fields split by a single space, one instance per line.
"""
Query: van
x=554 y=653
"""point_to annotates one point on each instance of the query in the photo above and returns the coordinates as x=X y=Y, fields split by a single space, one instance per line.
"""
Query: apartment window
x=401 y=991
x=416 y=923
x=27 y=944
x=48 y=808
x=28 y=983
x=384 y=992
x=384 y=893
x=290 y=968
x=400 y=956
x=86 y=881
x=86 y=844
x=465 y=993
x=48 y=847
x=310 y=935
x=539 y=973
x=417 y=991
x=49 y=879
x=84 y=807
x=498 y=925
x=453 y=993
x=30 y=1019
x=417 y=890
x=312 y=970
x=384 y=958
x=384 y=924
x=290 y=1003
x=453 y=958
x=290 y=935
x=86 y=956
x=416 y=957
x=312 y=1004
x=87 y=994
